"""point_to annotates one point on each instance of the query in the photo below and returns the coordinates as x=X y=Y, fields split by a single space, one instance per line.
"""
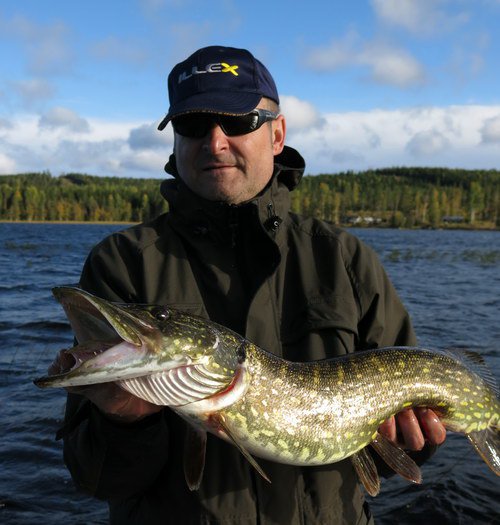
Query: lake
x=448 y=280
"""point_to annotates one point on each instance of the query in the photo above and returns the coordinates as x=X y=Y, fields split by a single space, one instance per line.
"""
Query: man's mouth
x=216 y=167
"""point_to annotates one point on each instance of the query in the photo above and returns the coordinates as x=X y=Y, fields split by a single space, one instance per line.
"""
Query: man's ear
x=278 y=134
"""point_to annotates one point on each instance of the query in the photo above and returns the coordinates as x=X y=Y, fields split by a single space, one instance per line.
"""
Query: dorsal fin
x=475 y=362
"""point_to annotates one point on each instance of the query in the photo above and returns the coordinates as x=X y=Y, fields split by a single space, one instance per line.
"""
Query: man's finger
x=433 y=429
x=409 y=428
x=388 y=429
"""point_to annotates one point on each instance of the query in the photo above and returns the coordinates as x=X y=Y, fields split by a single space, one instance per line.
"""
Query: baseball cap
x=218 y=79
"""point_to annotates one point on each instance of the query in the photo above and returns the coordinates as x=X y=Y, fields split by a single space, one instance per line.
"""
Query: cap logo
x=219 y=67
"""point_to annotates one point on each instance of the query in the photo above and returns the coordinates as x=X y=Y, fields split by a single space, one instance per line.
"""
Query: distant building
x=456 y=219
x=358 y=219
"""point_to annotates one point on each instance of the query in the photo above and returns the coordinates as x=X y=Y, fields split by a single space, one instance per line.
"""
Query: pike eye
x=161 y=314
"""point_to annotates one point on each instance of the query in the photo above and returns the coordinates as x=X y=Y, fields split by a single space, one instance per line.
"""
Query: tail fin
x=487 y=444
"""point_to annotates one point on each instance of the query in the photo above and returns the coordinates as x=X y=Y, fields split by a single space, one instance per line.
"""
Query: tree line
x=396 y=197
x=78 y=197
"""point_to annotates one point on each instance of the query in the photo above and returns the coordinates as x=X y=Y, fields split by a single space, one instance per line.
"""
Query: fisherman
x=229 y=249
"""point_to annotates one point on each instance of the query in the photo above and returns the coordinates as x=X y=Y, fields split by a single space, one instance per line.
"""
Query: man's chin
x=220 y=187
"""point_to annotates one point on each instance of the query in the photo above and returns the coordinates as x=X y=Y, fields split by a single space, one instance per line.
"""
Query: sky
x=363 y=84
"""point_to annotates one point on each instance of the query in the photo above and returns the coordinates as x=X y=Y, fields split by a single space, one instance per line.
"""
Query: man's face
x=230 y=169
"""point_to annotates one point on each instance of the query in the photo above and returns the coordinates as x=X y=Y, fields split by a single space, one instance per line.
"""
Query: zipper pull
x=273 y=221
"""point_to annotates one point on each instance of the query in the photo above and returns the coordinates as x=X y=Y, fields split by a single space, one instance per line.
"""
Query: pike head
x=158 y=353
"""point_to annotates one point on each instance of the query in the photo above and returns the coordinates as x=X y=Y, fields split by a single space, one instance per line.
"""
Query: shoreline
x=345 y=226
x=118 y=223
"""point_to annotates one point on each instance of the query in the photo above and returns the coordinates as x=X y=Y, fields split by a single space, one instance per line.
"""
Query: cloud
x=373 y=138
x=339 y=53
x=490 y=131
x=419 y=16
x=386 y=63
x=448 y=136
x=392 y=66
x=47 y=46
x=299 y=113
x=60 y=117
x=105 y=150
x=87 y=156
x=33 y=90
x=426 y=143
x=147 y=137
x=344 y=156
x=5 y=123
x=147 y=163
x=464 y=136
x=7 y=164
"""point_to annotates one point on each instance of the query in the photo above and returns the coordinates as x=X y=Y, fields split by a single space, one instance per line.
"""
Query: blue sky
x=363 y=84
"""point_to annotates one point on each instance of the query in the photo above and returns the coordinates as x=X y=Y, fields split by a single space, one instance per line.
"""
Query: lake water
x=449 y=281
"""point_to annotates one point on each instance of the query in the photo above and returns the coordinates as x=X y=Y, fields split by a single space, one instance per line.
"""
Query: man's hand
x=411 y=428
x=110 y=399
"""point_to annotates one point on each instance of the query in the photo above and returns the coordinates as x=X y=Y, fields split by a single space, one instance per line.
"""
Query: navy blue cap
x=218 y=79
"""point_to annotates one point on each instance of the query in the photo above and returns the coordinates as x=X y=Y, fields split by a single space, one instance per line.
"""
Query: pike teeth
x=175 y=387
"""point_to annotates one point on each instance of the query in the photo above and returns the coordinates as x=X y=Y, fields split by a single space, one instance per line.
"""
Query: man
x=229 y=249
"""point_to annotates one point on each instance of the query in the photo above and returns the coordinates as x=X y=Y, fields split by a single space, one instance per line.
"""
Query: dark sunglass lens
x=192 y=126
x=239 y=125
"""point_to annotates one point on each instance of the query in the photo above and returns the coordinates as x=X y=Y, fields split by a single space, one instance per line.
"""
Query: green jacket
x=297 y=287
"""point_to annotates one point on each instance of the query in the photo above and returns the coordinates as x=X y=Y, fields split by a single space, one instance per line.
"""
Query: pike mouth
x=110 y=341
x=93 y=319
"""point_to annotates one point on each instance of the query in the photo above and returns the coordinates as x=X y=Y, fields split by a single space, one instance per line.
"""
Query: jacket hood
x=289 y=167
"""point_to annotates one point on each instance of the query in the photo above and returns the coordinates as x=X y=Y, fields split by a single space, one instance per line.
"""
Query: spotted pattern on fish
x=321 y=412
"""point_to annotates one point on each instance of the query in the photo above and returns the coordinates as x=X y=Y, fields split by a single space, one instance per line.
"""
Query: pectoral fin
x=218 y=420
x=195 y=444
x=366 y=471
x=397 y=458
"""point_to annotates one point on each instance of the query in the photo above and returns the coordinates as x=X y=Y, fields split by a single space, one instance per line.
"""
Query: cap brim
x=232 y=103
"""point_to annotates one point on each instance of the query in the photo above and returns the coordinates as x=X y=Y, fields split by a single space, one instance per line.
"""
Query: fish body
x=309 y=413
x=322 y=412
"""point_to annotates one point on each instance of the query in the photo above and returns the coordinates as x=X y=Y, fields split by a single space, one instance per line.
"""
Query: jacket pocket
x=325 y=326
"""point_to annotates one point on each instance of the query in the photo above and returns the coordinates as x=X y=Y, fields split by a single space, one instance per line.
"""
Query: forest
x=400 y=197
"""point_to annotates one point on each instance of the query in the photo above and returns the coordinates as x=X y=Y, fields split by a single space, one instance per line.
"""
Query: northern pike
x=308 y=413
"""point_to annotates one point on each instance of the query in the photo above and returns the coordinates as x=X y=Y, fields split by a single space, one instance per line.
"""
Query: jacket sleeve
x=383 y=320
x=107 y=459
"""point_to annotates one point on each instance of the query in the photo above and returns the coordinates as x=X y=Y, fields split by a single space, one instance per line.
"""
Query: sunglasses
x=197 y=125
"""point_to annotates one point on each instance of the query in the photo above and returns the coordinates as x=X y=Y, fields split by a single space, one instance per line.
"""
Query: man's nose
x=215 y=140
